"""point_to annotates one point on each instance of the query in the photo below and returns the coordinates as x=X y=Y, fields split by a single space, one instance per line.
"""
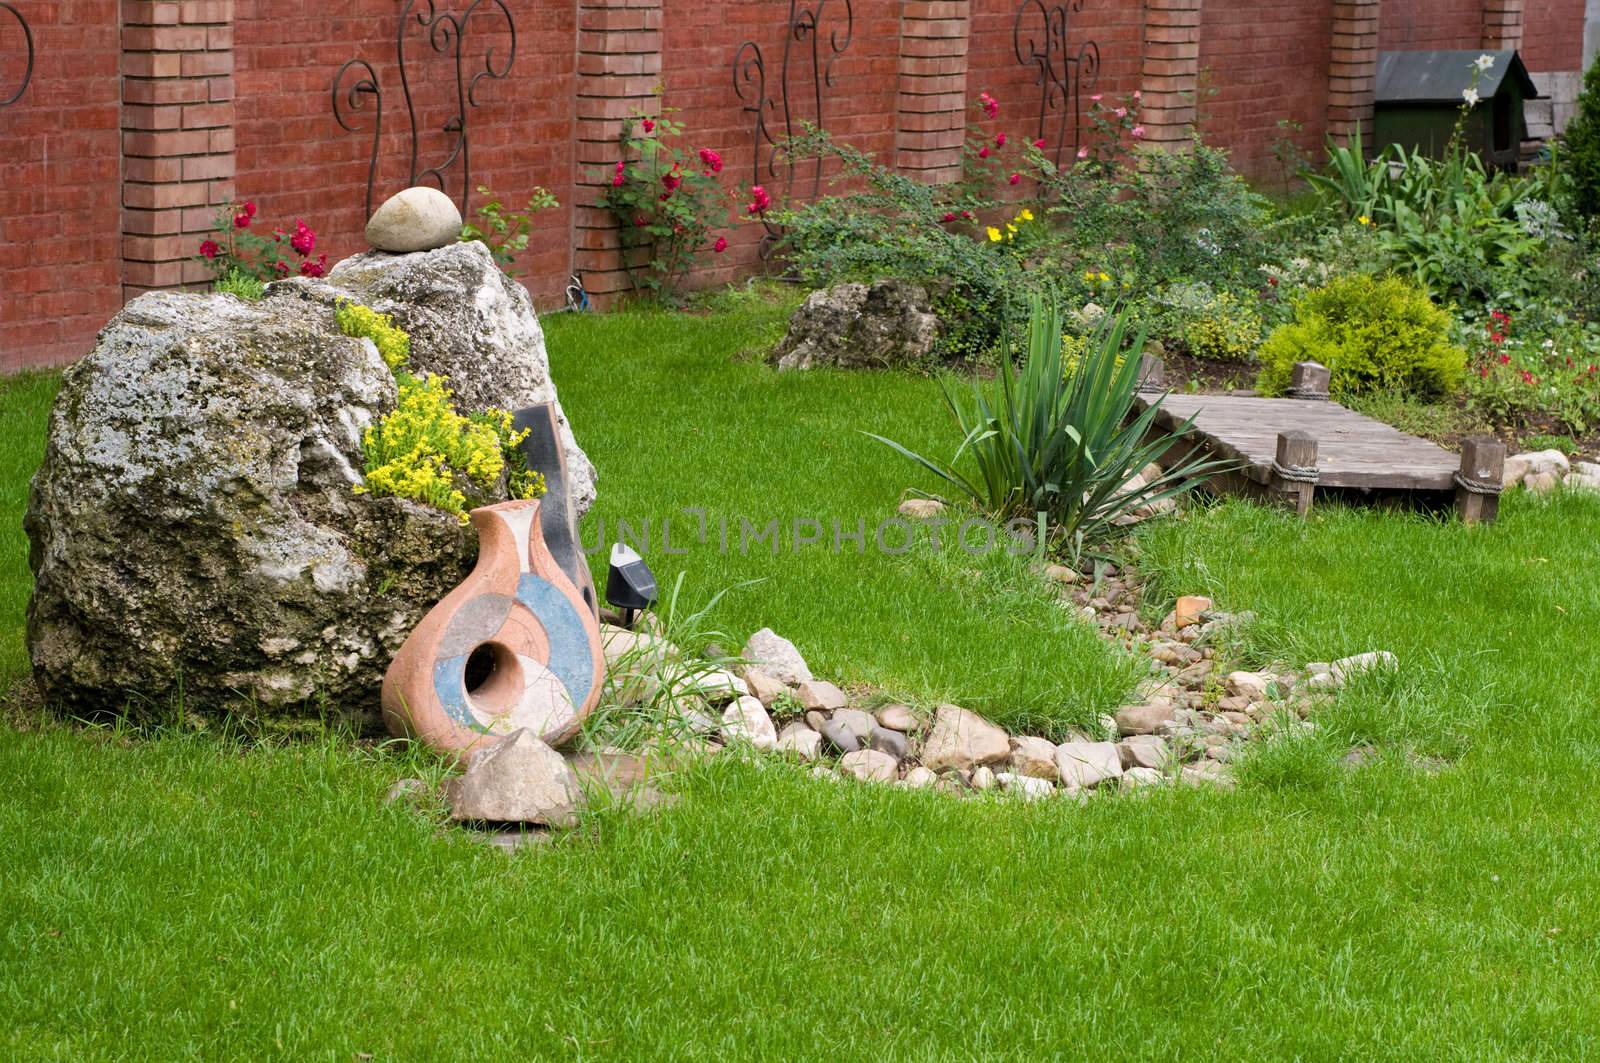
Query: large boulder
x=887 y=324
x=195 y=530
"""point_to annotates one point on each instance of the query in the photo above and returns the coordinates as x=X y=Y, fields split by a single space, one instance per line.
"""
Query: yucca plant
x=1352 y=184
x=1060 y=442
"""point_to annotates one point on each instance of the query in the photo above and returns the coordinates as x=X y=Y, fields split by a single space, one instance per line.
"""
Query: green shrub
x=1062 y=440
x=237 y=282
x=1373 y=333
x=1582 y=155
x=1226 y=328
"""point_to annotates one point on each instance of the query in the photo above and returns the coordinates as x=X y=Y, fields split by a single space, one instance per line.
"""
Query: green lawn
x=182 y=897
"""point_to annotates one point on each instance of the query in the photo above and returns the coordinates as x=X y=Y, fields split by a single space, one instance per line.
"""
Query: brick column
x=1353 y=68
x=177 y=136
x=619 y=67
x=930 y=113
x=1171 y=73
x=1502 y=24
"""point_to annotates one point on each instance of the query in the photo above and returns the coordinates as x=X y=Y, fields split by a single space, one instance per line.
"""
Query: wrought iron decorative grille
x=7 y=100
x=1040 y=37
x=357 y=83
x=803 y=41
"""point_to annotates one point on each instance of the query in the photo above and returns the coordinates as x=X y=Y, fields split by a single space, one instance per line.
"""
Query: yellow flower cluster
x=1012 y=227
x=392 y=342
x=423 y=448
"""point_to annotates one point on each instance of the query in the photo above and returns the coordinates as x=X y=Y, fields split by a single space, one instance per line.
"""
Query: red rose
x=209 y=248
x=241 y=220
x=649 y=125
x=1000 y=140
x=712 y=160
x=1039 y=143
x=949 y=216
x=250 y=207
x=721 y=245
x=309 y=268
x=303 y=240
x=983 y=152
x=1015 y=178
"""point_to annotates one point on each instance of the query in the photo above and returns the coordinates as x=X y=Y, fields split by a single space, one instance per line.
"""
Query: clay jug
x=515 y=645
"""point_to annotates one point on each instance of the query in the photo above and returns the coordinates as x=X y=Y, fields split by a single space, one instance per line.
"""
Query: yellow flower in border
x=1012 y=229
x=1088 y=275
x=994 y=235
x=1104 y=276
x=1026 y=215
x=1364 y=220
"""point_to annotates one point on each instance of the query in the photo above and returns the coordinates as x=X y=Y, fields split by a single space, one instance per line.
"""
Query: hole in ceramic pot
x=493 y=678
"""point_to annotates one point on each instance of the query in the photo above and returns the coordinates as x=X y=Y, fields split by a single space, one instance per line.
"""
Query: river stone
x=1146 y=718
x=415 y=219
x=1034 y=757
x=1027 y=787
x=821 y=695
x=884 y=740
x=763 y=686
x=518 y=779
x=897 y=717
x=964 y=740
x=1087 y=764
x=777 y=657
x=803 y=742
x=745 y=719
x=869 y=765
x=194 y=522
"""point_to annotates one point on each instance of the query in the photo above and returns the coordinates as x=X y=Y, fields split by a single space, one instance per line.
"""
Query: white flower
x=1484 y=62
x=1471 y=96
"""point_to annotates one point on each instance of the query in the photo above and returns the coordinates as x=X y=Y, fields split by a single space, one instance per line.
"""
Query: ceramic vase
x=514 y=646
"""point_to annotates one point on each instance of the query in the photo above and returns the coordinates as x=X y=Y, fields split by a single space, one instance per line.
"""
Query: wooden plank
x=1353 y=450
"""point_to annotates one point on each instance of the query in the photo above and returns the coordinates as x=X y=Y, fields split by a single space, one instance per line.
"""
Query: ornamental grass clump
x=425 y=450
x=1061 y=442
x=1373 y=333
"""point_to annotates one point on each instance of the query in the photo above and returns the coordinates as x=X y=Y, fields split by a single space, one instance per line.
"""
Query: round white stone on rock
x=416 y=219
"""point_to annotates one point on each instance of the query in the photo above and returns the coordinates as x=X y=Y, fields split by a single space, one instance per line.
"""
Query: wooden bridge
x=1288 y=449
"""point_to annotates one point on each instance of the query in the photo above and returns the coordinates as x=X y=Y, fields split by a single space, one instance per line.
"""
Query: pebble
x=1135 y=778
x=821 y=695
x=840 y=737
x=982 y=778
x=414 y=219
x=869 y=765
x=897 y=717
x=858 y=722
x=1186 y=611
x=1034 y=757
x=884 y=740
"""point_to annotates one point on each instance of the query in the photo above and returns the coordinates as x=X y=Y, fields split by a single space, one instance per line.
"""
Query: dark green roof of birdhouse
x=1441 y=77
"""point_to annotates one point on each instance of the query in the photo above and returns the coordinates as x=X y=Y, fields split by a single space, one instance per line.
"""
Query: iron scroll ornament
x=1060 y=74
x=27 y=46
x=803 y=31
x=446 y=34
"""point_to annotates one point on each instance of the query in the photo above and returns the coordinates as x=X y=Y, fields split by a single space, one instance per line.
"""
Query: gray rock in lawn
x=897 y=717
x=919 y=778
x=869 y=765
x=1084 y=765
x=1137 y=778
x=1144 y=751
x=1146 y=718
x=1034 y=757
x=718 y=686
x=764 y=687
x=194 y=522
x=803 y=742
x=746 y=720
x=815 y=719
x=965 y=740
x=884 y=740
x=1207 y=773
x=860 y=723
x=840 y=737
x=415 y=219
x=1346 y=668
x=776 y=656
x=1027 y=787
x=518 y=779
x=821 y=695
x=887 y=324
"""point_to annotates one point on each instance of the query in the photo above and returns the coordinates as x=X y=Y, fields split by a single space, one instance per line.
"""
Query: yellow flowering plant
x=424 y=449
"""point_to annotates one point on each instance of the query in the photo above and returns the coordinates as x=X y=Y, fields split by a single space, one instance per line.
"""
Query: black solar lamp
x=630 y=585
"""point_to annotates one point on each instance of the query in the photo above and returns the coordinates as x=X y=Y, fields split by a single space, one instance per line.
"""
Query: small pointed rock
x=776 y=656
x=519 y=779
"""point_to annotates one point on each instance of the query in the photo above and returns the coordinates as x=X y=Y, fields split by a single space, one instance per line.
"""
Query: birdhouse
x=1420 y=96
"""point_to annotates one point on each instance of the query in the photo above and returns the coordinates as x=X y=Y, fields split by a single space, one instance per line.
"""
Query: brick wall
x=1254 y=60
x=294 y=160
x=60 y=267
x=1422 y=25
x=142 y=115
x=1552 y=35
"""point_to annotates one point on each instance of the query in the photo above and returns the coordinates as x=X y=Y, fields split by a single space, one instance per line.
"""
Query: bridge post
x=1294 y=470
x=1310 y=380
x=1480 y=479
